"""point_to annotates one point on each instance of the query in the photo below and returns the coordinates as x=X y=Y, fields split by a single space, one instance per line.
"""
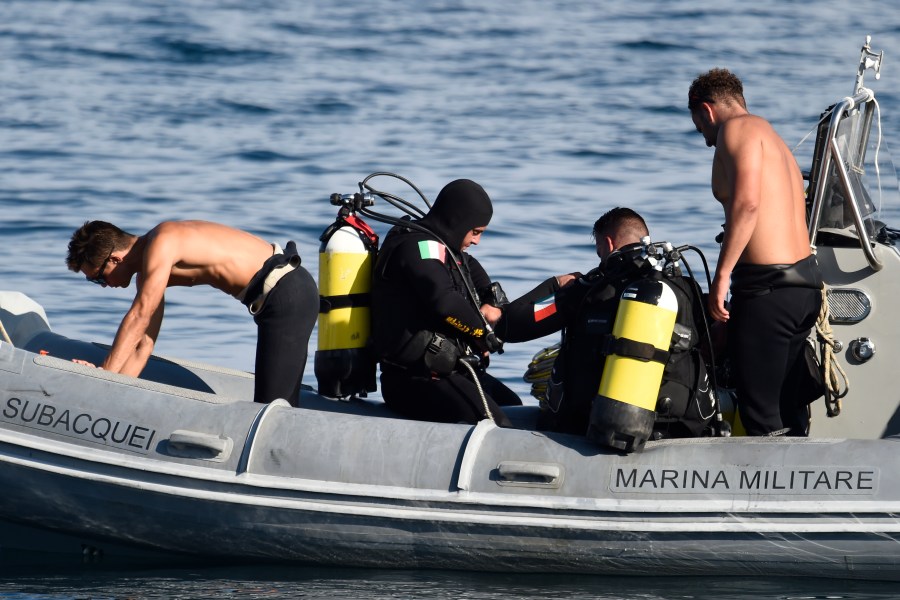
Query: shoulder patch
x=544 y=308
x=432 y=249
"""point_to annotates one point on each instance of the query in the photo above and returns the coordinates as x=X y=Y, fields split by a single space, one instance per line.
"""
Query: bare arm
x=135 y=364
x=740 y=157
x=140 y=326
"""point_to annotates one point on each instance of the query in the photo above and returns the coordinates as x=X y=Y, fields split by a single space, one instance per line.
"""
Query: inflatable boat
x=181 y=463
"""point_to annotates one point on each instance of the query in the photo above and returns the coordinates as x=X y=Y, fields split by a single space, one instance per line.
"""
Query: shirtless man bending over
x=765 y=255
x=280 y=294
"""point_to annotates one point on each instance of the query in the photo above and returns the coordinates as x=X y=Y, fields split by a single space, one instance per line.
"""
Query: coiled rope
x=836 y=383
x=538 y=372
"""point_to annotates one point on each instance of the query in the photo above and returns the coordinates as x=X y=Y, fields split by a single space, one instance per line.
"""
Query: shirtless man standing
x=765 y=255
x=189 y=253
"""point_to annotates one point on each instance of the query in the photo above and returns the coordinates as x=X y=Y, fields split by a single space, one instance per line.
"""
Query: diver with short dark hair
x=584 y=307
x=270 y=281
x=427 y=294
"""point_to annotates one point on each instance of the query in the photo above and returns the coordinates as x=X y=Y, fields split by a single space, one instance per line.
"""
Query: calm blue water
x=252 y=113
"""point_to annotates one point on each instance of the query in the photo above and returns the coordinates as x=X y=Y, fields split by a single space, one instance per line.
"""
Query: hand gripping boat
x=180 y=464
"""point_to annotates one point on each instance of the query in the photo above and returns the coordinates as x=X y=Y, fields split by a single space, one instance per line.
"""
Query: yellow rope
x=837 y=389
x=5 y=335
x=538 y=372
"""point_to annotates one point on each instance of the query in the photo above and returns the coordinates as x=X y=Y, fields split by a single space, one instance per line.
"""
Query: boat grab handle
x=193 y=444
x=529 y=474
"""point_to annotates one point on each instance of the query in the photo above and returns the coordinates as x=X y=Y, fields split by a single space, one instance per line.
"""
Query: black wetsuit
x=418 y=292
x=773 y=310
x=586 y=312
x=284 y=324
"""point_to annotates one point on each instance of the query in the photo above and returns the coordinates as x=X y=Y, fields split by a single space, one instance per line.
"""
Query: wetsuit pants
x=766 y=334
x=284 y=325
x=450 y=399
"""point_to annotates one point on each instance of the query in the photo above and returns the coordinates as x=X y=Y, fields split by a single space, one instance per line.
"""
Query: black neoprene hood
x=459 y=208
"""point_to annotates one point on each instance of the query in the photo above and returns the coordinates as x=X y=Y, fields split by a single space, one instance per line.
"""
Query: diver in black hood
x=426 y=298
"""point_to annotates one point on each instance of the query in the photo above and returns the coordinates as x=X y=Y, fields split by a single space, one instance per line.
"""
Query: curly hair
x=93 y=242
x=716 y=85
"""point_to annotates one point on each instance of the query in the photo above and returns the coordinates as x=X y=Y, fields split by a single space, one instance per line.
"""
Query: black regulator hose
x=712 y=355
x=494 y=344
x=410 y=209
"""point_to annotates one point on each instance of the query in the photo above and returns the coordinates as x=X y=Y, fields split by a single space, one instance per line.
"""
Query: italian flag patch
x=544 y=308
x=432 y=249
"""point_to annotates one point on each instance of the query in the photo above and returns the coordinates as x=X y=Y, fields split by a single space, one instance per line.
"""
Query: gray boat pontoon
x=181 y=463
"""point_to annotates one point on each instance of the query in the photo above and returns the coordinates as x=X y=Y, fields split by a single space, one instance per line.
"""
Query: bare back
x=752 y=163
x=204 y=253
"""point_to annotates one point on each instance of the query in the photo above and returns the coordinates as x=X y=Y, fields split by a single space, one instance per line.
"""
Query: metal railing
x=833 y=155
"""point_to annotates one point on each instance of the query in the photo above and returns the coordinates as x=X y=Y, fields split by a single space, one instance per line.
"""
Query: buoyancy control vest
x=422 y=289
x=421 y=303
x=685 y=403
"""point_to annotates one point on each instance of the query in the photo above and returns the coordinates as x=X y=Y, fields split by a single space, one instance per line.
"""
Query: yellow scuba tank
x=623 y=411
x=344 y=365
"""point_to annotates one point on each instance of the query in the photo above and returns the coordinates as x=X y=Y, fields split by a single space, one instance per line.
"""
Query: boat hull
x=184 y=520
x=99 y=465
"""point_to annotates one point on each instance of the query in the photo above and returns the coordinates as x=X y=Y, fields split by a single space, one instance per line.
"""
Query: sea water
x=253 y=113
